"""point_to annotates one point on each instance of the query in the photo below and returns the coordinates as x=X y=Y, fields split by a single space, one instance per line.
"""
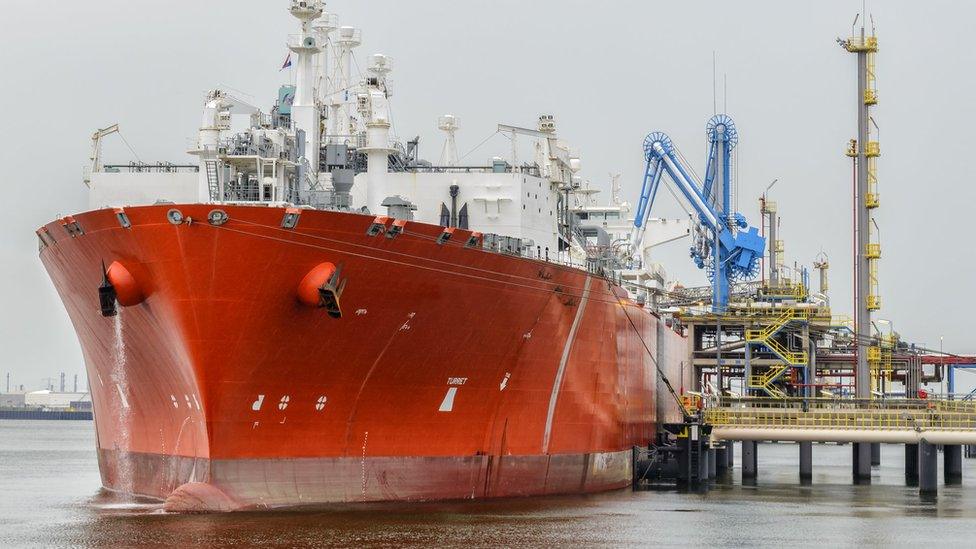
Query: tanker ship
x=308 y=312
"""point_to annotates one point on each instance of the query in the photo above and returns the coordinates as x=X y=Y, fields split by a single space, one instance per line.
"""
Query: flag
x=287 y=62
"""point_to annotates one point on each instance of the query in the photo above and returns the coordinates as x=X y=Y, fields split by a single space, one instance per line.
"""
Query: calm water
x=49 y=496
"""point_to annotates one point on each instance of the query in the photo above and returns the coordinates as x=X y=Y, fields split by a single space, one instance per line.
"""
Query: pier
x=923 y=426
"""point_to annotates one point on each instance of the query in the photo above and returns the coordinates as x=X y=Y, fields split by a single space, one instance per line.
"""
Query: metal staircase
x=766 y=337
x=765 y=381
x=213 y=181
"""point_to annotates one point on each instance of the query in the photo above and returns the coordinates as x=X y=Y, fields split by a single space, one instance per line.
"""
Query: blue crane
x=738 y=245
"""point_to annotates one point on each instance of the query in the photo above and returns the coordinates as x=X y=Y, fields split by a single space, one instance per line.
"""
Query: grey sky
x=609 y=71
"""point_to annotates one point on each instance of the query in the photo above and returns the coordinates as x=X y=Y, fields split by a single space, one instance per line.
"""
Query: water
x=50 y=496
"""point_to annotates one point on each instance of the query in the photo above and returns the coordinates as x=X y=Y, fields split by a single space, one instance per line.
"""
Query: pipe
x=844 y=435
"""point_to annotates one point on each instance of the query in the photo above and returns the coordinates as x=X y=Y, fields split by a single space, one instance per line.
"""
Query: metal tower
x=865 y=151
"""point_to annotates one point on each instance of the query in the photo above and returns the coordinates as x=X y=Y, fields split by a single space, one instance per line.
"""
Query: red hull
x=453 y=372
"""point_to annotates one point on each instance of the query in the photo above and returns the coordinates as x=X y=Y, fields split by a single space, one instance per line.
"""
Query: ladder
x=213 y=179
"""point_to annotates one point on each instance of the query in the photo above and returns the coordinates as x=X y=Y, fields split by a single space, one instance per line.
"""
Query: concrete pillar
x=806 y=461
x=952 y=464
x=721 y=459
x=911 y=464
x=862 y=462
x=712 y=463
x=703 y=455
x=875 y=454
x=750 y=461
x=730 y=451
x=928 y=468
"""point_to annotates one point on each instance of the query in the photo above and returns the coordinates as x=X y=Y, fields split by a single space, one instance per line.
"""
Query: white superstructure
x=327 y=143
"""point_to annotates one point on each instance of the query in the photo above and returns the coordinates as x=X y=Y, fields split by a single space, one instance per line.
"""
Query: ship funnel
x=107 y=295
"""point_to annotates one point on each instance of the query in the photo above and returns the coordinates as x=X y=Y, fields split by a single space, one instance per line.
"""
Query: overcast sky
x=609 y=71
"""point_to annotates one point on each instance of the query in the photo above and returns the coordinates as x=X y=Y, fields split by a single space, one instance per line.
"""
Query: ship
x=310 y=313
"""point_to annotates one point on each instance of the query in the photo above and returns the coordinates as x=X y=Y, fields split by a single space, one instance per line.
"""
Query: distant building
x=56 y=400
x=85 y=405
x=12 y=400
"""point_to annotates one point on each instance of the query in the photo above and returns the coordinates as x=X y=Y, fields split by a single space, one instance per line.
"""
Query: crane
x=96 y=155
x=725 y=245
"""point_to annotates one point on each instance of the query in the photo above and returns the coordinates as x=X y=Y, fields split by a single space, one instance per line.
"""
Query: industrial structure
x=310 y=312
x=771 y=360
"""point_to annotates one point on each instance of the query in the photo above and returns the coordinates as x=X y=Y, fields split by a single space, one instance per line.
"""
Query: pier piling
x=911 y=464
x=952 y=463
x=721 y=459
x=928 y=469
x=750 y=451
x=806 y=462
x=862 y=462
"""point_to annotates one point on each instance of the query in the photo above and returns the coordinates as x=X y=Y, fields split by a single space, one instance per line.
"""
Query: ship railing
x=833 y=404
x=151 y=167
x=814 y=413
x=528 y=170
x=356 y=141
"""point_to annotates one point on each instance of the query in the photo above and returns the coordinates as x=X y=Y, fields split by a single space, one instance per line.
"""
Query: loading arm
x=738 y=250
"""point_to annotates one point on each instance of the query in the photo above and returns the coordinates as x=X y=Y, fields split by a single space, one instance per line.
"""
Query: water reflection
x=776 y=510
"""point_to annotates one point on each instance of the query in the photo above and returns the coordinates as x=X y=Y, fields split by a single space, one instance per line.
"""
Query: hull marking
x=447 y=404
x=256 y=405
x=558 y=381
x=125 y=401
x=504 y=383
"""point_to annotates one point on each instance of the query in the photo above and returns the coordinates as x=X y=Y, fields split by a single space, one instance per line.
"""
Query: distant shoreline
x=84 y=415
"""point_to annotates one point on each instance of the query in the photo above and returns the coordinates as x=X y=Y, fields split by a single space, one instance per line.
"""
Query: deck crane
x=739 y=246
x=95 y=164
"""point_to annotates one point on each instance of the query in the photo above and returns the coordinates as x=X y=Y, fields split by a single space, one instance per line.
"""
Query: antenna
x=714 y=101
x=725 y=93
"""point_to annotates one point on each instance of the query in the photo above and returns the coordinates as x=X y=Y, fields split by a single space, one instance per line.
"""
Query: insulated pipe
x=906 y=436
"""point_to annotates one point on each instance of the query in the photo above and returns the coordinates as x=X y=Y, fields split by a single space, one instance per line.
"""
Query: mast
x=304 y=111
x=324 y=26
x=349 y=38
x=449 y=125
x=377 y=114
